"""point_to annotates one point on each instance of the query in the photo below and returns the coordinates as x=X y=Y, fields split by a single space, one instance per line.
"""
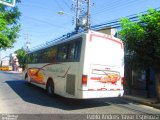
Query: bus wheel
x=27 y=78
x=50 y=88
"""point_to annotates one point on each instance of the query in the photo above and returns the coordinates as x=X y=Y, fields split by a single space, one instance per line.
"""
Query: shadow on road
x=36 y=95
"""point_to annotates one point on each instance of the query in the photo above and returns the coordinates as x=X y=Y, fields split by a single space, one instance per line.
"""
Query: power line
x=106 y=7
x=57 y=2
x=46 y=22
x=110 y=13
x=66 y=4
x=115 y=23
x=111 y=7
x=37 y=6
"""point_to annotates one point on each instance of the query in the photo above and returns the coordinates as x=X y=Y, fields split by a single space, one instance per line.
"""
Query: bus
x=6 y=68
x=82 y=66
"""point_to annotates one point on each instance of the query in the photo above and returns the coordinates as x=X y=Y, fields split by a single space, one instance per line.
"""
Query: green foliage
x=142 y=40
x=21 y=53
x=9 y=26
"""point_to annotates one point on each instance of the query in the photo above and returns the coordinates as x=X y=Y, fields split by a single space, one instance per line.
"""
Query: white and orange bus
x=85 y=65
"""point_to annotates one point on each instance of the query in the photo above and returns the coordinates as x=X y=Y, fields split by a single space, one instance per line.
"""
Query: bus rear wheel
x=50 y=88
x=27 y=78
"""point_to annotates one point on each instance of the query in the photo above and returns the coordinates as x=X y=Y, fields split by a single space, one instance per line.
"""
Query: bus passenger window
x=74 y=51
x=31 y=58
x=51 y=53
x=77 y=50
x=62 y=52
x=71 y=51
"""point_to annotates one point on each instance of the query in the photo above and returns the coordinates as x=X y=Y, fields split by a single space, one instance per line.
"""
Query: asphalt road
x=30 y=102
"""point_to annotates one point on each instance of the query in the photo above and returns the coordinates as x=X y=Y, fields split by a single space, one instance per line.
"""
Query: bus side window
x=62 y=52
x=71 y=51
x=77 y=50
x=39 y=56
x=25 y=60
x=36 y=57
x=42 y=56
x=31 y=58
x=28 y=57
x=52 y=53
x=74 y=51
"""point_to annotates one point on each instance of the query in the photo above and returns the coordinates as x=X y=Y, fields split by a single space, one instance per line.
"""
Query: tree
x=21 y=54
x=142 y=42
x=9 y=25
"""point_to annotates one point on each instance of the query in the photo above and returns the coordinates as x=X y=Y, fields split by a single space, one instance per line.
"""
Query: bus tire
x=27 y=78
x=50 y=87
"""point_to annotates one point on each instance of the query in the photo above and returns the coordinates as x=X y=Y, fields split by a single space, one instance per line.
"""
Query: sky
x=40 y=21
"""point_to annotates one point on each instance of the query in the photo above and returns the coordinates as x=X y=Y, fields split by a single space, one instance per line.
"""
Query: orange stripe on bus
x=95 y=78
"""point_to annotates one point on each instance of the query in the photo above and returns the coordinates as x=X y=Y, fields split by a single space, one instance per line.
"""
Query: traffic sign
x=8 y=2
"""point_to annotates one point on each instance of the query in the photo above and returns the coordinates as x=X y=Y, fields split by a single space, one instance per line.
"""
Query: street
x=19 y=97
x=108 y=50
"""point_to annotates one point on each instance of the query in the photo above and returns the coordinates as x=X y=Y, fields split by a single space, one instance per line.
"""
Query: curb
x=148 y=103
x=16 y=72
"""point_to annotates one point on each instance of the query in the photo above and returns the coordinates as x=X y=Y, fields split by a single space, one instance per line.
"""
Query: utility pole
x=27 y=44
x=77 y=16
x=88 y=15
x=82 y=10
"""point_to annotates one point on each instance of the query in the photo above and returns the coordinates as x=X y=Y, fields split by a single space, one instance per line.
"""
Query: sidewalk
x=146 y=101
x=14 y=72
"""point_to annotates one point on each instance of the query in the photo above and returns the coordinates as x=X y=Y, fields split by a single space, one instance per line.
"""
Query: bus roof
x=56 y=41
x=67 y=37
